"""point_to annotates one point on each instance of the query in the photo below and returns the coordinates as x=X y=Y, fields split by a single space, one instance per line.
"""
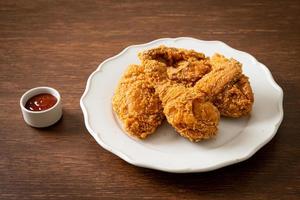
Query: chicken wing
x=189 y=110
x=187 y=88
x=136 y=104
x=183 y=66
x=237 y=98
x=188 y=66
x=188 y=72
x=170 y=56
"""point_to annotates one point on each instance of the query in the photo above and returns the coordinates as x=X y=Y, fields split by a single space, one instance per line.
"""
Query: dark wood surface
x=59 y=43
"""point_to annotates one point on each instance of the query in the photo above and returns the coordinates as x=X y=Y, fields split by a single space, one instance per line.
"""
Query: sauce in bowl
x=41 y=102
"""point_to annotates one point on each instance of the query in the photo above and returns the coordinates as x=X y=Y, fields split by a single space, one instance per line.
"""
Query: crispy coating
x=237 y=98
x=219 y=78
x=188 y=72
x=186 y=110
x=187 y=67
x=183 y=66
x=169 y=55
x=189 y=110
x=187 y=88
x=136 y=104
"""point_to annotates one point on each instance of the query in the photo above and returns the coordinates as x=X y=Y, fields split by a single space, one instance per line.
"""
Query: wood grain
x=59 y=43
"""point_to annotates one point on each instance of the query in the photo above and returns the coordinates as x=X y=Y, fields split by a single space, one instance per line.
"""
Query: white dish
x=237 y=140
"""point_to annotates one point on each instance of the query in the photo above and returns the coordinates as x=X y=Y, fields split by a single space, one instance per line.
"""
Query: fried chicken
x=183 y=66
x=188 y=72
x=188 y=109
x=237 y=98
x=170 y=56
x=188 y=66
x=136 y=104
x=187 y=88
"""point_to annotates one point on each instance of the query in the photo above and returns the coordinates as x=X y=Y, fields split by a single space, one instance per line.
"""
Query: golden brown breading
x=185 y=109
x=191 y=90
x=187 y=67
x=219 y=78
x=136 y=103
x=183 y=66
x=188 y=72
x=189 y=110
x=169 y=55
x=237 y=98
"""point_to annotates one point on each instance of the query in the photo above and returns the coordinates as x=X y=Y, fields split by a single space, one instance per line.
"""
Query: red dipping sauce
x=41 y=102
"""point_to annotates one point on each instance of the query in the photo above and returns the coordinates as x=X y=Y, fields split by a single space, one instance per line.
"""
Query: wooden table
x=59 y=43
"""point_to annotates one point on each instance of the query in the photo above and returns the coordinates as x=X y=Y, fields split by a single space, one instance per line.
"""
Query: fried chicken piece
x=189 y=110
x=183 y=66
x=190 y=89
x=170 y=55
x=185 y=109
x=187 y=67
x=136 y=104
x=188 y=72
x=237 y=98
x=219 y=78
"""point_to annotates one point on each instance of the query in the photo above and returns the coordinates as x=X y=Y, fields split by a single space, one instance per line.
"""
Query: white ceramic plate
x=237 y=140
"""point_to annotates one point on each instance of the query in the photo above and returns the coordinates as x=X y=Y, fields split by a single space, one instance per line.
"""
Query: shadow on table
x=239 y=176
x=70 y=123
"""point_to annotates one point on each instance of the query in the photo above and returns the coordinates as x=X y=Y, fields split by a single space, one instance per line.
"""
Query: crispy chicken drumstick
x=187 y=88
x=189 y=110
x=136 y=103
x=188 y=66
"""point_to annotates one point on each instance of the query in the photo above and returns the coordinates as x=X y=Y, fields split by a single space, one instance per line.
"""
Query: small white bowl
x=42 y=118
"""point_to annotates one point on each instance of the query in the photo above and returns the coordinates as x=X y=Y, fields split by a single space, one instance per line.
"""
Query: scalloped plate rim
x=185 y=170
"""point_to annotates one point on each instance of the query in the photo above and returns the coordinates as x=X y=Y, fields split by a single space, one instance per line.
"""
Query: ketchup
x=41 y=102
